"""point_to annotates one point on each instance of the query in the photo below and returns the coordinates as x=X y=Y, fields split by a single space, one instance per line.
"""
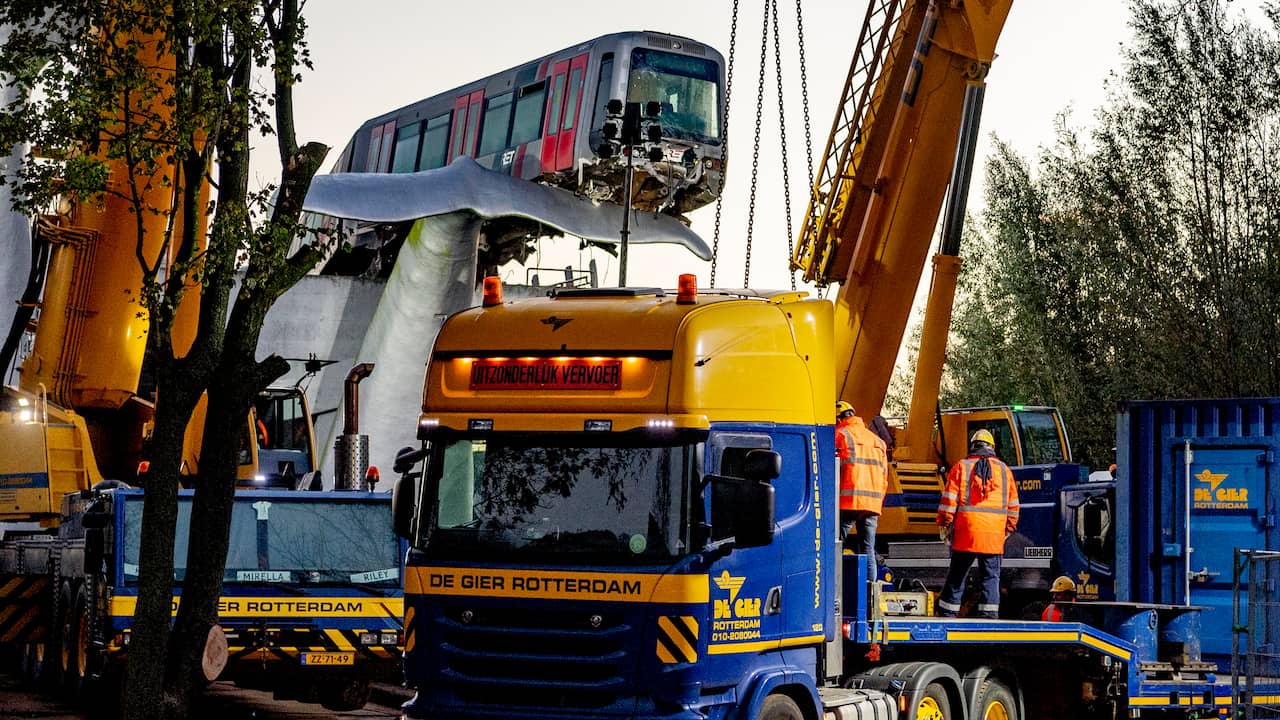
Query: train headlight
x=389 y=638
x=368 y=638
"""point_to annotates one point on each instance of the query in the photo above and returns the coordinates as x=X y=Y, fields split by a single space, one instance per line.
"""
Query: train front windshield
x=686 y=88
x=600 y=497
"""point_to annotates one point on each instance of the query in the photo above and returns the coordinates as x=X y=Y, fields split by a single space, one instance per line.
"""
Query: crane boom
x=882 y=178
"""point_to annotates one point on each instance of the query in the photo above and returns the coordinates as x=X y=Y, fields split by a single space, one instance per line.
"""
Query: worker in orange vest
x=1062 y=591
x=979 y=509
x=864 y=468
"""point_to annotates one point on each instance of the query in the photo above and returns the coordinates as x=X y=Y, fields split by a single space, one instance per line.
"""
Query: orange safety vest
x=864 y=466
x=981 y=521
x=1053 y=613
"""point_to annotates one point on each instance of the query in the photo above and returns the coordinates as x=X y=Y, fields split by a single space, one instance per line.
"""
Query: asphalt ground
x=223 y=701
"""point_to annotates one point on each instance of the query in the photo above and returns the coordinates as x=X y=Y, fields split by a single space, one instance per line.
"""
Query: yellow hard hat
x=843 y=407
x=1063 y=584
x=983 y=436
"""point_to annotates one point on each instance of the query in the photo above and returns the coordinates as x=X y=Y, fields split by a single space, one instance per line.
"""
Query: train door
x=466 y=123
x=381 y=140
x=561 y=123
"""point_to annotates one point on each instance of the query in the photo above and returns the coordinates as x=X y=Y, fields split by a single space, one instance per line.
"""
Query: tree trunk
x=209 y=539
x=145 y=696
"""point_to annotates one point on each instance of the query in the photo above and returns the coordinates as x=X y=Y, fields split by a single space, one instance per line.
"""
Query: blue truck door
x=742 y=582
x=1232 y=507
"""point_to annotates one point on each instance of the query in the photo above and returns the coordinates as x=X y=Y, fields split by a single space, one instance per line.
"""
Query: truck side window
x=728 y=454
x=729 y=451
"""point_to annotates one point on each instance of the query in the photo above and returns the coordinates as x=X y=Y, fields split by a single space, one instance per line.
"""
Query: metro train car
x=550 y=120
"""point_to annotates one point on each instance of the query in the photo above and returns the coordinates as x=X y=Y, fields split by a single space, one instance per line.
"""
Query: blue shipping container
x=1200 y=468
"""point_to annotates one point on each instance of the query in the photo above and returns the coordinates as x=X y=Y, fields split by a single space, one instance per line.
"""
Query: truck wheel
x=64 y=627
x=345 y=694
x=995 y=702
x=780 y=707
x=933 y=704
x=35 y=662
x=81 y=640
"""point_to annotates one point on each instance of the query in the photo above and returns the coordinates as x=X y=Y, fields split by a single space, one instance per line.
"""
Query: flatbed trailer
x=1139 y=658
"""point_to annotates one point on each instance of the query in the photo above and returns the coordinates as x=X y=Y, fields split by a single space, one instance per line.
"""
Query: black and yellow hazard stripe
x=291 y=642
x=22 y=601
x=677 y=639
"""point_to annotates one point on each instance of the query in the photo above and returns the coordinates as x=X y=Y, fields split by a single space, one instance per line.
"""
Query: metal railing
x=1255 y=631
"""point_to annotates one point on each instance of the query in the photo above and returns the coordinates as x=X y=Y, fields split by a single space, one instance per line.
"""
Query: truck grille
x=548 y=659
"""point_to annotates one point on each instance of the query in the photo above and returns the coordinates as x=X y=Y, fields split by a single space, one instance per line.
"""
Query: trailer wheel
x=933 y=704
x=780 y=707
x=345 y=694
x=995 y=702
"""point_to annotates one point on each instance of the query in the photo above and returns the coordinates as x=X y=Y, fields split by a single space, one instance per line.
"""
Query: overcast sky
x=376 y=56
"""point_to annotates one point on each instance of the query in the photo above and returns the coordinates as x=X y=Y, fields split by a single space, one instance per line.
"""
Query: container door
x=1232 y=507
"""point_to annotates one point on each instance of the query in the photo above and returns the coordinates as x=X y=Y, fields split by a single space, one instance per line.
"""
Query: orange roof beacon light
x=492 y=291
x=687 y=289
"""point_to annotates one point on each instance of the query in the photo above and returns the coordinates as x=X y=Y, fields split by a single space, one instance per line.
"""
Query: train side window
x=527 y=125
x=575 y=93
x=603 y=91
x=435 y=143
x=459 y=133
x=557 y=97
x=405 y=157
x=497 y=124
x=473 y=123
x=1002 y=432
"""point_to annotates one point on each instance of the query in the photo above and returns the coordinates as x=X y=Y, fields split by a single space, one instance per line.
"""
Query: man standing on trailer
x=864 y=477
x=979 y=509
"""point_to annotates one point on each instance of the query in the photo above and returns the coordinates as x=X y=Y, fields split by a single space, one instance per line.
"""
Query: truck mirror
x=762 y=465
x=741 y=509
x=402 y=497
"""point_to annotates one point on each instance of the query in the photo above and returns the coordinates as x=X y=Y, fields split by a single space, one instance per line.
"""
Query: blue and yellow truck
x=628 y=509
x=311 y=603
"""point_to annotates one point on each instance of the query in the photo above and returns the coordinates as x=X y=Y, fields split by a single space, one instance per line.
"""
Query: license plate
x=328 y=658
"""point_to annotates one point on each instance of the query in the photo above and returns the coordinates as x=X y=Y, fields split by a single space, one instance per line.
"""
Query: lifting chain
x=770 y=16
x=808 y=135
x=724 y=147
x=755 y=155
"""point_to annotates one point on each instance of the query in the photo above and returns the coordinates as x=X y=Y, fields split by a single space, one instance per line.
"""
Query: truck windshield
x=307 y=540
x=619 y=498
x=687 y=89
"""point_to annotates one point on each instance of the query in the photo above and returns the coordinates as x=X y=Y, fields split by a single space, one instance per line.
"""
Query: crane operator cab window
x=1006 y=449
x=279 y=435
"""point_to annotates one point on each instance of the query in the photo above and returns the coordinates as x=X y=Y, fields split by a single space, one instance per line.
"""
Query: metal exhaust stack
x=351 y=449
